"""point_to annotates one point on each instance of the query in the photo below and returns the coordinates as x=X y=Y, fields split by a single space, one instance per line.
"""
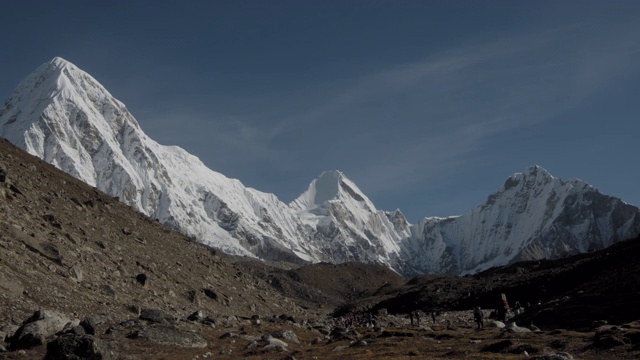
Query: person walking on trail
x=478 y=316
x=418 y=317
x=411 y=317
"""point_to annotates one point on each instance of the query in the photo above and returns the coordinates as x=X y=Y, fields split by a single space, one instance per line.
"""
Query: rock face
x=64 y=116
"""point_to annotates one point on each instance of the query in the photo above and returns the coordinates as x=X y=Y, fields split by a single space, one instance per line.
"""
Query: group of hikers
x=365 y=319
x=416 y=315
x=500 y=313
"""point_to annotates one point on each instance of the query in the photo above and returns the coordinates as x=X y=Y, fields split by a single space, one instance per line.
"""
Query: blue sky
x=428 y=106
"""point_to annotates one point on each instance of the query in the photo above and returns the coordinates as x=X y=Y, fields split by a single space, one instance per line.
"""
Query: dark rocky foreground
x=83 y=276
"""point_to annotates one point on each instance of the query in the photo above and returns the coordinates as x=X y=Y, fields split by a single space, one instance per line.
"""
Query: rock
x=2 y=349
x=90 y=323
x=607 y=341
x=76 y=273
x=557 y=356
x=193 y=297
x=228 y=335
x=359 y=343
x=285 y=317
x=210 y=294
x=340 y=333
x=316 y=341
x=8 y=330
x=513 y=327
x=170 y=336
x=156 y=316
x=72 y=346
x=383 y=312
x=3 y=175
x=196 y=316
x=143 y=280
x=495 y=324
x=37 y=328
x=287 y=335
x=107 y=290
x=273 y=343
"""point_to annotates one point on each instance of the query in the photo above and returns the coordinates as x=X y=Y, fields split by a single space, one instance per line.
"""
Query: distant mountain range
x=64 y=116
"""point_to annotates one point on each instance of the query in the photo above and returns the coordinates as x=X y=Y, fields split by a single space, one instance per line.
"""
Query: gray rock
x=8 y=330
x=76 y=273
x=170 y=336
x=287 y=335
x=196 y=316
x=90 y=323
x=72 y=346
x=495 y=324
x=513 y=327
x=37 y=328
x=156 y=316
x=273 y=343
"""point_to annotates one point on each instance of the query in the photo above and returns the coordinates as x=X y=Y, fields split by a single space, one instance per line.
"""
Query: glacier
x=64 y=116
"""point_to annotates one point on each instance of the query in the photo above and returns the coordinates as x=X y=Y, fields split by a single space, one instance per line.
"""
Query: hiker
x=503 y=308
x=433 y=316
x=411 y=317
x=418 y=317
x=478 y=316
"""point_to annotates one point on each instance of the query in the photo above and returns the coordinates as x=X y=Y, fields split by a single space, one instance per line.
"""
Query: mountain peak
x=536 y=170
x=330 y=185
x=60 y=62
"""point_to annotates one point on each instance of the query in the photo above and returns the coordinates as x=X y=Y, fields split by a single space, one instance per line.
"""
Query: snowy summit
x=64 y=116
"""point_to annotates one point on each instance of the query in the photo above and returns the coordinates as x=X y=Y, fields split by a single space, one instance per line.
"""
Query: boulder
x=170 y=336
x=513 y=327
x=90 y=323
x=495 y=324
x=34 y=331
x=287 y=335
x=196 y=316
x=71 y=346
x=156 y=316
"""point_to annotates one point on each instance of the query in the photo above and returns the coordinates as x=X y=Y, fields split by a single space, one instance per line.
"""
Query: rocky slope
x=64 y=116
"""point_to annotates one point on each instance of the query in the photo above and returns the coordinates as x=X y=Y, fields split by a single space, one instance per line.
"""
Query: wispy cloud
x=459 y=100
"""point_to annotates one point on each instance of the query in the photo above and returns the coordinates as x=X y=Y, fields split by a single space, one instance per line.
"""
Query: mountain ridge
x=63 y=115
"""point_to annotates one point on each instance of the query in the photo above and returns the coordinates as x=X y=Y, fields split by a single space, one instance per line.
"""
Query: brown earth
x=68 y=247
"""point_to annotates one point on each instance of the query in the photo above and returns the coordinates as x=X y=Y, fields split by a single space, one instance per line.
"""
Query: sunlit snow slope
x=64 y=116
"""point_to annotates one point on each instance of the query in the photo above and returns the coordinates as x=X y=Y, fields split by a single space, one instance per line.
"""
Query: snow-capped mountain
x=533 y=216
x=64 y=116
